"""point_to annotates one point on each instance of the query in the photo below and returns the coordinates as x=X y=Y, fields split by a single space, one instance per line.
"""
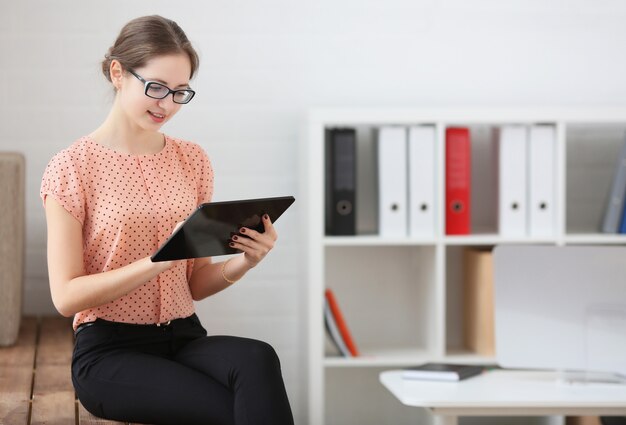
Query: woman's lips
x=156 y=117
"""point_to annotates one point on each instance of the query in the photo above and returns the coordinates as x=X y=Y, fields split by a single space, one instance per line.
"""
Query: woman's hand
x=255 y=245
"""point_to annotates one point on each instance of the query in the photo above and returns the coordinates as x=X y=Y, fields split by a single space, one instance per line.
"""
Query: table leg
x=445 y=420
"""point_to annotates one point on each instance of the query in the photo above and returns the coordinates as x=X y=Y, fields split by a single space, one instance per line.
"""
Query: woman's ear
x=117 y=73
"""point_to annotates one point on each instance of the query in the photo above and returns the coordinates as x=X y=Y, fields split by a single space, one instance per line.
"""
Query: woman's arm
x=71 y=288
x=208 y=278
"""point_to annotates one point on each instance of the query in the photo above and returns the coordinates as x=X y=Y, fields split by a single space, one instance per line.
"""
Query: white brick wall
x=263 y=63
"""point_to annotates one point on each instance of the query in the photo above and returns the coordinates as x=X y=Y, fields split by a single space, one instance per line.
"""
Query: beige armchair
x=12 y=244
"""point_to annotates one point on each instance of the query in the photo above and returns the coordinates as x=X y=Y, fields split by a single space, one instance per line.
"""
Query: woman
x=111 y=198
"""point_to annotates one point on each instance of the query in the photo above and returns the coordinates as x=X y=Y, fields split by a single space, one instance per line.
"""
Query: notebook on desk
x=441 y=371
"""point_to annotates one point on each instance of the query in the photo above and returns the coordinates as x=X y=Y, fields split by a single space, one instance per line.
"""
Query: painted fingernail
x=235 y=238
x=231 y=244
x=267 y=217
x=243 y=230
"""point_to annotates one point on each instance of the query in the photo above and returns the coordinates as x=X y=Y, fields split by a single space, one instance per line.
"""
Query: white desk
x=507 y=393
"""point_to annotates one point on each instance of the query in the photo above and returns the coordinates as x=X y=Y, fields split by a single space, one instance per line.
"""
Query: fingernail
x=234 y=238
x=267 y=217
x=231 y=244
x=243 y=230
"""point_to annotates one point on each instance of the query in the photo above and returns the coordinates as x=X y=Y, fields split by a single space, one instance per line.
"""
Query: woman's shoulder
x=67 y=167
x=73 y=152
x=183 y=143
x=187 y=146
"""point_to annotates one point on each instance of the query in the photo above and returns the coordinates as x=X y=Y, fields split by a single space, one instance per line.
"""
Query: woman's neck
x=117 y=133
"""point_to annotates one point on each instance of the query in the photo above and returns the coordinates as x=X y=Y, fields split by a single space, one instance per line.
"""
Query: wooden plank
x=56 y=341
x=23 y=352
x=15 y=388
x=16 y=375
x=86 y=418
x=54 y=401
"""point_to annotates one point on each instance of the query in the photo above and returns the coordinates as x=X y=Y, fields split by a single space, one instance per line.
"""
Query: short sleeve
x=61 y=180
x=204 y=175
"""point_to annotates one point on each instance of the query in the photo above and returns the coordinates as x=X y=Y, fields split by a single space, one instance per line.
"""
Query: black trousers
x=176 y=374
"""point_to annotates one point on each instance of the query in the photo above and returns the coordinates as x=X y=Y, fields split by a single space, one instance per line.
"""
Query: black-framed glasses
x=160 y=91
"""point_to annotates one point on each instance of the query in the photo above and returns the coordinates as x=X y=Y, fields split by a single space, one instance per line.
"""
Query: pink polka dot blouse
x=128 y=206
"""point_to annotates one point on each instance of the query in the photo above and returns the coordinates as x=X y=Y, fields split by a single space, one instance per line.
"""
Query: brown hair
x=145 y=38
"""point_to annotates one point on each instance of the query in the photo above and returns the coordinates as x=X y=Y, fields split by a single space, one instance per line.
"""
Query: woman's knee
x=261 y=354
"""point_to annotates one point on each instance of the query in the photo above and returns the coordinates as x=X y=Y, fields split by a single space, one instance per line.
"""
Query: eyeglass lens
x=159 y=91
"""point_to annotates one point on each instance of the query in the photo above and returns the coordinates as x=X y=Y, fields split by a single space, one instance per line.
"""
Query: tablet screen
x=208 y=230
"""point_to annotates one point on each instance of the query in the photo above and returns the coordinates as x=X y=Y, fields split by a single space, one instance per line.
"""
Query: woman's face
x=147 y=113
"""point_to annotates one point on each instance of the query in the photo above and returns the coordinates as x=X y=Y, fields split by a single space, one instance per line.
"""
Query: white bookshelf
x=400 y=296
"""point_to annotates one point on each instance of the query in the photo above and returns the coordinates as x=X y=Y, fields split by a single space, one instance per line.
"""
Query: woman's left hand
x=255 y=245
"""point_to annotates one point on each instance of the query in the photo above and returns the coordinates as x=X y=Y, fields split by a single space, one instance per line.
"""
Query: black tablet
x=208 y=230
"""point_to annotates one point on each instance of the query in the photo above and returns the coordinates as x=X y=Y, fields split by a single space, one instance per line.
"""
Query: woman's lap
x=145 y=388
x=178 y=375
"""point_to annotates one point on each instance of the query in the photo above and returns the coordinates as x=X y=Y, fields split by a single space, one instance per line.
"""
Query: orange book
x=341 y=323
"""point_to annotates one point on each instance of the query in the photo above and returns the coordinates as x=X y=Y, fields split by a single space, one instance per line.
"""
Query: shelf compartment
x=455 y=298
x=367 y=193
x=484 y=177
x=592 y=151
x=387 y=294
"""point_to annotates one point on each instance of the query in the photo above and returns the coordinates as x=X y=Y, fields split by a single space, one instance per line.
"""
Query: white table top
x=516 y=392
